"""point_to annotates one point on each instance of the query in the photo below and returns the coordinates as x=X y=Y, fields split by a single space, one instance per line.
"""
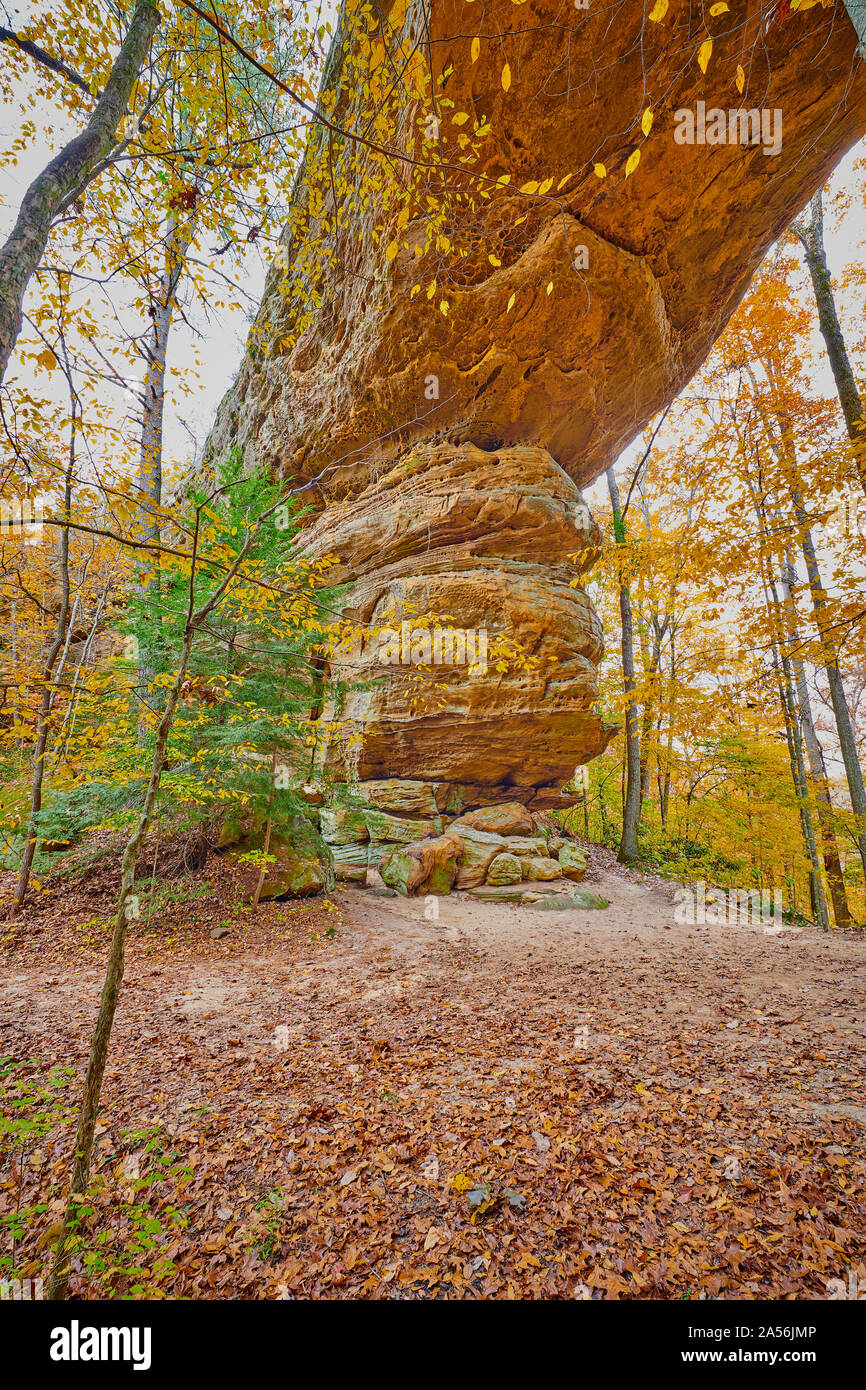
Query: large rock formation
x=567 y=292
x=455 y=540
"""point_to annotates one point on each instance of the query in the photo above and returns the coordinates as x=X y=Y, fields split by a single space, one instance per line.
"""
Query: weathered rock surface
x=536 y=867
x=486 y=539
x=671 y=248
x=510 y=818
x=480 y=849
x=429 y=866
x=407 y=796
x=402 y=830
x=410 y=797
x=297 y=870
x=303 y=864
x=553 y=897
x=572 y=862
x=350 y=863
x=573 y=315
x=561 y=902
x=504 y=869
x=343 y=825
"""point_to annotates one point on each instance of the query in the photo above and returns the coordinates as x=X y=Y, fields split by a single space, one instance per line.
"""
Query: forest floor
x=352 y=1101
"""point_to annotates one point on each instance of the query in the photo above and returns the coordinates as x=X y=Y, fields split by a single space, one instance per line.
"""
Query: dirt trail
x=605 y=1066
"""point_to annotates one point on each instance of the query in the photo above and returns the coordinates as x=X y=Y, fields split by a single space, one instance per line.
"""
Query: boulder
x=302 y=864
x=478 y=852
x=480 y=848
x=508 y=818
x=528 y=845
x=429 y=866
x=536 y=867
x=496 y=893
x=295 y=873
x=572 y=862
x=233 y=828
x=549 y=899
x=504 y=869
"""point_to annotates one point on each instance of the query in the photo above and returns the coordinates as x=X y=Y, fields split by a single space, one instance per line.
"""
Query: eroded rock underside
x=464 y=500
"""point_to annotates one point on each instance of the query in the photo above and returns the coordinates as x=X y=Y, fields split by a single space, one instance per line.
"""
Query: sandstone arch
x=536 y=399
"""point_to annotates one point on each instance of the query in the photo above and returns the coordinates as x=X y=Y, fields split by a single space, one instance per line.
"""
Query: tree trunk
x=811 y=237
x=177 y=242
x=646 y=741
x=111 y=990
x=782 y=668
x=838 y=698
x=71 y=170
x=786 y=452
x=628 y=849
x=815 y=755
x=801 y=790
x=46 y=704
x=116 y=956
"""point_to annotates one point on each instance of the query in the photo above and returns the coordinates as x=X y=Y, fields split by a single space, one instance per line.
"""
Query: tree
x=810 y=234
x=237 y=566
x=67 y=175
x=628 y=849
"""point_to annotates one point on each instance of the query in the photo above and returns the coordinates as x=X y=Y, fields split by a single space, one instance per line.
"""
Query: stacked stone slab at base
x=426 y=850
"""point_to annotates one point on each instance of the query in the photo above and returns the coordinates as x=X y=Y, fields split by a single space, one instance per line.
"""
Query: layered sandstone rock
x=557 y=311
x=455 y=539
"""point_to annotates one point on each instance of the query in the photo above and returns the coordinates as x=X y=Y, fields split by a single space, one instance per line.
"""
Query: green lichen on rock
x=572 y=862
x=381 y=826
x=579 y=898
x=344 y=825
x=302 y=864
x=505 y=869
x=429 y=866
